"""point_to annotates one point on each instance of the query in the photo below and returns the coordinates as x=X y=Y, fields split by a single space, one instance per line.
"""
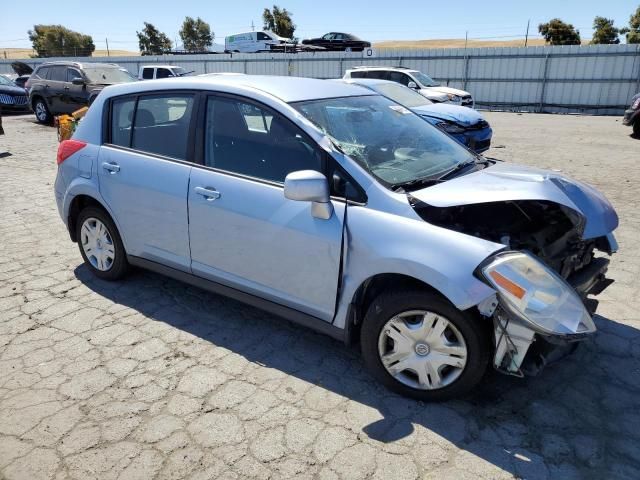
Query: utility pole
x=466 y=38
x=526 y=37
x=253 y=27
x=106 y=40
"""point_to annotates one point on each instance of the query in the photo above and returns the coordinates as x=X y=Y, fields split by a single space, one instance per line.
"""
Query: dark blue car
x=465 y=124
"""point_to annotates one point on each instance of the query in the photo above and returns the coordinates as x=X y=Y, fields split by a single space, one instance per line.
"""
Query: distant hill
x=11 y=53
x=457 y=43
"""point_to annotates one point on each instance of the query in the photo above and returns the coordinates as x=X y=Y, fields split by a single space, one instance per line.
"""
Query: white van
x=253 y=42
x=150 y=72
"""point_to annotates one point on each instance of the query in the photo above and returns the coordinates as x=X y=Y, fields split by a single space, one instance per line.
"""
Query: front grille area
x=13 y=99
x=467 y=101
x=479 y=126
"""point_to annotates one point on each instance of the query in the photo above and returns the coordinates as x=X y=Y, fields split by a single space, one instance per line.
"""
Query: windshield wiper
x=429 y=181
x=411 y=184
x=456 y=169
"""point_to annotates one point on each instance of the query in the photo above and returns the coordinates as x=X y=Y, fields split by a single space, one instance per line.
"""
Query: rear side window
x=378 y=74
x=121 y=118
x=359 y=74
x=163 y=73
x=399 y=78
x=58 y=73
x=161 y=125
x=155 y=124
x=147 y=73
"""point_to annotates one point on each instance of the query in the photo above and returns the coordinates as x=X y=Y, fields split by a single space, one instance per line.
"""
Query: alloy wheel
x=41 y=111
x=97 y=244
x=422 y=350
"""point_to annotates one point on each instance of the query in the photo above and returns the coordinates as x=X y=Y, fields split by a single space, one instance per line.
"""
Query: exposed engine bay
x=553 y=233
x=550 y=231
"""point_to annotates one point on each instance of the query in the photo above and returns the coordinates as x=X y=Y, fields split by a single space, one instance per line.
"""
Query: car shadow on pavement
x=579 y=419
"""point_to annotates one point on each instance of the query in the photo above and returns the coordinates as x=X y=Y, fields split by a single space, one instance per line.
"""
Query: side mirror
x=310 y=186
x=77 y=81
x=413 y=85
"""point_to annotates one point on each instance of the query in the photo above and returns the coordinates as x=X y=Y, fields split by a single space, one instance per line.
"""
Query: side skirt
x=287 y=313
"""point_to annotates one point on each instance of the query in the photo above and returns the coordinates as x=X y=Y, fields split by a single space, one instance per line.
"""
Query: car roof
x=377 y=67
x=158 y=65
x=287 y=89
x=66 y=63
x=368 y=82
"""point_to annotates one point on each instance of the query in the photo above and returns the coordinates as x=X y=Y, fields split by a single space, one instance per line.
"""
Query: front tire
x=419 y=345
x=100 y=244
x=43 y=115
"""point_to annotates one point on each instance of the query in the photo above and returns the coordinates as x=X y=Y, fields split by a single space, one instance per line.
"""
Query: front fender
x=380 y=242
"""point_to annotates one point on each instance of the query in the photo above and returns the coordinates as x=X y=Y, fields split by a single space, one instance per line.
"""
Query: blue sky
x=373 y=20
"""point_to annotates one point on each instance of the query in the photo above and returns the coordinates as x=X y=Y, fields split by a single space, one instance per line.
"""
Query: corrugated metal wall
x=598 y=79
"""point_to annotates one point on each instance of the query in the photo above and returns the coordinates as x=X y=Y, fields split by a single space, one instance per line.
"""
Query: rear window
x=359 y=74
x=107 y=75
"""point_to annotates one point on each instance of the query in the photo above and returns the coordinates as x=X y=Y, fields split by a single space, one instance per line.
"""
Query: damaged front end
x=557 y=235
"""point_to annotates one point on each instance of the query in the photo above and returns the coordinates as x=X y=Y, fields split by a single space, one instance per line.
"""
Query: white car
x=253 y=42
x=151 y=72
x=417 y=80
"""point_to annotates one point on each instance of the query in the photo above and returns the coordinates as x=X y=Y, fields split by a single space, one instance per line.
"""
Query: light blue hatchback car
x=339 y=209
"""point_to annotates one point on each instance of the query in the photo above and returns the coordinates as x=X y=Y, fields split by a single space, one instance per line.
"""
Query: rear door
x=144 y=174
x=244 y=233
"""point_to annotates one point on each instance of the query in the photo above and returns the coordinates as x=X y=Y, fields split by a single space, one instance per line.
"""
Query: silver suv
x=337 y=208
x=422 y=83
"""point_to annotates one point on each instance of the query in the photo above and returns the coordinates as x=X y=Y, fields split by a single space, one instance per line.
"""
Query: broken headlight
x=536 y=294
x=450 y=127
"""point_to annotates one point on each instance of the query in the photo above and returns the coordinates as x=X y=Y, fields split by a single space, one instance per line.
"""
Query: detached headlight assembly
x=536 y=294
x=450 y=127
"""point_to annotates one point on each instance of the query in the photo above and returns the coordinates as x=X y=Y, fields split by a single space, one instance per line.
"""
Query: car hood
x=445 y=90
x=502 y=182
x=11 y=90
x=454 y=113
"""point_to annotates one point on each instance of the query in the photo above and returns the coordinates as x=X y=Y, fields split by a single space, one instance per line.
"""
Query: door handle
x=209 y=193
x=66 y=88
x=112 y=168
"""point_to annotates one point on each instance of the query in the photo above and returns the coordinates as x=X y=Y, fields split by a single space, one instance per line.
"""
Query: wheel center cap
x=422 y=349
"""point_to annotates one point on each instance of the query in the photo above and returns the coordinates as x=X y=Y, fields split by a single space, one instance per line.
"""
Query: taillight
x=68 y=148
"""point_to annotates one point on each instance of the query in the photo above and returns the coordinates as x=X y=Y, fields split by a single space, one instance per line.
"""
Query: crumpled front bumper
x=521 y=350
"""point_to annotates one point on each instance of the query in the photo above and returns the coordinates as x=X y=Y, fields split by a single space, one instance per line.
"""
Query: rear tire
x=43 y=115
x=100 y=244
x=636 y=128
x=437 y=353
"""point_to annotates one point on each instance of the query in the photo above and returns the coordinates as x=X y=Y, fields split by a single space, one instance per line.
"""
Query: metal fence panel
x=585 y=79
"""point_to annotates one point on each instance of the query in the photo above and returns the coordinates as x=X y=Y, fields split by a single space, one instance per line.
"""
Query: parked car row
x=268 y=41
x=333 y=205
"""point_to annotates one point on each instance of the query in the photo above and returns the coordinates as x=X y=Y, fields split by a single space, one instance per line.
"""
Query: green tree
x=556 y=32
x=633 y=32
x=278 y=20
x=196 y=35
x=152 y=41
x=58 y=41
x=604 y=32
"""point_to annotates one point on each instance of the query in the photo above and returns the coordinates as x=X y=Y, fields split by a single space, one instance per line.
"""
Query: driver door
x=243 y=232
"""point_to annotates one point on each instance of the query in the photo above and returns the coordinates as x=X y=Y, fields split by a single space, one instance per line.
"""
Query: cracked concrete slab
x=151 y=378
